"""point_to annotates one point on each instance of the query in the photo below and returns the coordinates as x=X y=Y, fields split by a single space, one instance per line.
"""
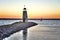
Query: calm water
x=45 y=30
x=5 y=22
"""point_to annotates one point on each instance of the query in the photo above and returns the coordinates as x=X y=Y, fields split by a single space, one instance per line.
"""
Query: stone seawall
x=7 y=30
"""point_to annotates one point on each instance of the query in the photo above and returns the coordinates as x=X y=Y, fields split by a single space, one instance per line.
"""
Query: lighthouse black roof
x=24 y=8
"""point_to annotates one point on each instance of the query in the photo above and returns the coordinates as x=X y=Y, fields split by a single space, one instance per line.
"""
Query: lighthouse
x=25 y=17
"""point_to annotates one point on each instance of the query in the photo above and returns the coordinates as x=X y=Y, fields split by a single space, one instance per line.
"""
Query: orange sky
x=19 y=15
x=35 y=9
x=9 y=14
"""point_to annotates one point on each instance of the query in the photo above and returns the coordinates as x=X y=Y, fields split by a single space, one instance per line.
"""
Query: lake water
x=45 y=30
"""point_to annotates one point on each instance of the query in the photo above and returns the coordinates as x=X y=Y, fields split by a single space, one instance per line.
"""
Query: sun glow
x=35 y=9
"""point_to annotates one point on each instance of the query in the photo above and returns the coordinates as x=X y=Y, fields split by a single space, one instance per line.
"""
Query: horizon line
x=30 y=18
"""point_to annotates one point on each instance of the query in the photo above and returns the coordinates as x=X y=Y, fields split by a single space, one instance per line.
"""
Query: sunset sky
x=35 y=8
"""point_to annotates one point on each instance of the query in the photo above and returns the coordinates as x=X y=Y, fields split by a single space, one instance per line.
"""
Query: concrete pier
x=7 y=30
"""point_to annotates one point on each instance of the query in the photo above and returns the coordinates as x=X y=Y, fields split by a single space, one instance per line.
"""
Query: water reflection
x=15 y=36
x=25 y=34
x=46 y=30
x=44 y=33
x=22 y=35
x=37 y=33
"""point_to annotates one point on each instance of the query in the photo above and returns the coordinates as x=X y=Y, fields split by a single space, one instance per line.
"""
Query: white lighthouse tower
x=25 y=17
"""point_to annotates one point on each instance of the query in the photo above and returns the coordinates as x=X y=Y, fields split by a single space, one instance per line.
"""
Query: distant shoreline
x=30 y=19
